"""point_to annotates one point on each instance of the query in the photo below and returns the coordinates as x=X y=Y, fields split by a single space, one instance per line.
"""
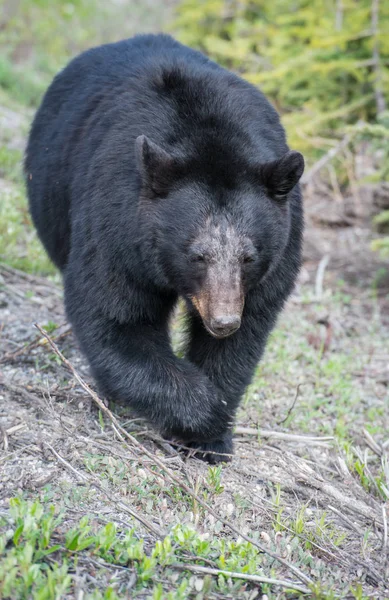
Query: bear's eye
x=248 y=258
x=198 y=258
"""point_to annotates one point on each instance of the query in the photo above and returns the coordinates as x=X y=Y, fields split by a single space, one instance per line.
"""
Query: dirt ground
x=293 y=461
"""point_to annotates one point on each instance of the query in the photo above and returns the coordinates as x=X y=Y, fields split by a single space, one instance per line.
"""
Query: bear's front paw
x=214 y=452
x=202 y=419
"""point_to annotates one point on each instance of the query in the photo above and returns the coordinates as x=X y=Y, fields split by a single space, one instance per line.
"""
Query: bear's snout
x=224 y=325
x=220 y=308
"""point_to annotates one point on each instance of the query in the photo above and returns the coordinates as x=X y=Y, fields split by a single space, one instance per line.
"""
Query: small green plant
x=299 y=523
x=50 y=327
x=214 y=479
x=39 y=553
x=357 y=593
x=325 y=529
x=78 y=538
x=359 y=468
x=24 y=570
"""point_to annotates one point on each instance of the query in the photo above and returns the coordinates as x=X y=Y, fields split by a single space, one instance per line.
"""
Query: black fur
x=138 y=150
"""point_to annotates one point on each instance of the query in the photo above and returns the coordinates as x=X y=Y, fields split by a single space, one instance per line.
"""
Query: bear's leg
x=230 y=362
x=134 y=364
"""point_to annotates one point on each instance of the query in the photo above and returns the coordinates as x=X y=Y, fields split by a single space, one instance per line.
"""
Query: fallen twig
x=254 y=578
x=372 y=443
x=292 y=406
x=308 y=176
x=349 y=522
x=287 y=437
x=16 y=428
x=4 y=435
x=320 y=276
x=350 y=503
x=378 y=78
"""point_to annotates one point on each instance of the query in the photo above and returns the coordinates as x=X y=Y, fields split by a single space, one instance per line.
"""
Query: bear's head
x=219 y=227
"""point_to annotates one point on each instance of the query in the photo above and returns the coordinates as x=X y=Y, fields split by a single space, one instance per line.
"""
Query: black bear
x=153 y=174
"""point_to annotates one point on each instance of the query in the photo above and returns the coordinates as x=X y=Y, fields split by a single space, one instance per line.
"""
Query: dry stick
x=308 y=176
x=378 y=92
x=349 y=522
x=4 y=435
x=280 y=435
x=339 y=15
x=320 y=276
x=385 y=534
x=304 y=578
x=15 y=428
x=329 y=490
x=154 y=530
x=255 y=578
x=372 y=443
x=293 y=405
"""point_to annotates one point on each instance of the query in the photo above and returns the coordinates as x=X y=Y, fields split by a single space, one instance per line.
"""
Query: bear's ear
x=155 y=165
x=281 y=175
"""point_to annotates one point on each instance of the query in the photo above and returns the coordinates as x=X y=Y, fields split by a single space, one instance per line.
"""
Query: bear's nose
x=225 y=325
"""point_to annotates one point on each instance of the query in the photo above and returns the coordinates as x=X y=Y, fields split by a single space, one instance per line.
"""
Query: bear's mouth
x=220 y=334
x=222 y=331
